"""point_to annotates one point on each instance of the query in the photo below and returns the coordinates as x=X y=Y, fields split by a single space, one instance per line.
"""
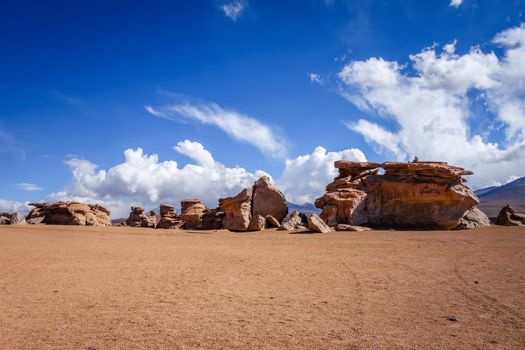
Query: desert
x=72 y=287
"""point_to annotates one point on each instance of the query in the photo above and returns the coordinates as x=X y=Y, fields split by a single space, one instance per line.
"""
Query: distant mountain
x=496 y=197
x=307 y=208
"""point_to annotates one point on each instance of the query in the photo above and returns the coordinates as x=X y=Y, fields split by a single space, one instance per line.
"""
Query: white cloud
x=431 y=107
x=143 y=180
x=315 y=78
x=305 y=178
x=234 y=9
x=13 y=206
x=25 y=186
x=455 y=3
x=239 y=126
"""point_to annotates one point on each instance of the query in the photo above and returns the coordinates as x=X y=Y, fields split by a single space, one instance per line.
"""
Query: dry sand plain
x=121 y=288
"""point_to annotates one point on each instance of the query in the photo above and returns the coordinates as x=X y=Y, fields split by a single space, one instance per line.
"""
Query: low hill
x=494 y=198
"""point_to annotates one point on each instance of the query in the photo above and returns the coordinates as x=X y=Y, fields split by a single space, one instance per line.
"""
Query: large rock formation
x=12 y=219
x=137 y=218
x=69 y=213
x=192 y=212
x=508 y=216
x=246 y=210
x=168 y=217
x=418 y=195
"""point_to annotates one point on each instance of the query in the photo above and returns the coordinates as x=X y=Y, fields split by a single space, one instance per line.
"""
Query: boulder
x=69 y=213
x=316 y=224
x=137 y=218
x=345 y=227
x=508 y=216
x=168 y=217
x=212 y=219
x=258 y=223
x=12 y=219
x=238 y=210
x=192 y=213
x=267 y=200
x=418 y=195
x=272 y=222
x=296 y=221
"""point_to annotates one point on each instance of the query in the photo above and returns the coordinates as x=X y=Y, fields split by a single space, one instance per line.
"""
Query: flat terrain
x=121 y=288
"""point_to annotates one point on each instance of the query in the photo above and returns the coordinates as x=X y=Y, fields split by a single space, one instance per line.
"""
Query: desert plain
x=67 y=287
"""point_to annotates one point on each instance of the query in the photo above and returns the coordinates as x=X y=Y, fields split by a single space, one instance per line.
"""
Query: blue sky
x=250 y=84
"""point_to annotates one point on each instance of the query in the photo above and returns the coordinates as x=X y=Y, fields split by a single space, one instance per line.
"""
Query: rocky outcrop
x=192 y=213
x=316 y=224
x=267 y=200
x=258 y=223
x=272 y=222
x=238 y=211
x=261 y=200
x=12 y=219
x=69 y=213
x=137 y=218
x=168 y=217
x=418 y=195
x=508 y=216
x=296 y=222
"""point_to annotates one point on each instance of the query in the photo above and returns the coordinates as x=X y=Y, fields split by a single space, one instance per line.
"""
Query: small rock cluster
x=137 y=218
x=11 y=219
x=508 y=216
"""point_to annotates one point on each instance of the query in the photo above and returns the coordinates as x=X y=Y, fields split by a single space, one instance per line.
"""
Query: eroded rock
x=316 y=224
x=168 y=217
x=69 y=213
x=238 y=211
x=137 y=218
x=508 y=216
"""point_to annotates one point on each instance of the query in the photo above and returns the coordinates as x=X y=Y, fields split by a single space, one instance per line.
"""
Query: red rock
x=69 y=213
x=508 y=216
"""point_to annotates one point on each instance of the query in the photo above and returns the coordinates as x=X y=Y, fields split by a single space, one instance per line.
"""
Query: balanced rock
x=137 y=218
x=267 y=200
x=69 y=213
x=12 y=219
x=508 y=216
x=238 y=211
x=420 y=195
x=168 y=217
x=316 y=224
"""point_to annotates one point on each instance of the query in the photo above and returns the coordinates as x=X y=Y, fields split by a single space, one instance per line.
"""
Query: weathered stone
x=237 y=210
x=168 y=217
x=267 y=200
x=272 y=222
x=192 y=213
x=137 y=218
x=12 y=219
x=69 y=213
x=297 y=221
x=316 y=224
x=345 y=227
x=212 y=219
x=421 y=195
x=508 y=216
x=257 y=223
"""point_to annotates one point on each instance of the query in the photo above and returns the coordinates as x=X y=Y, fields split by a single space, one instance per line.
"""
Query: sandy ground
x=122 y=288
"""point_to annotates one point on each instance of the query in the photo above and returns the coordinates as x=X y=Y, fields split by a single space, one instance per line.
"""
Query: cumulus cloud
x=143 y=180
x=304 y=178
x=234 y=9
x=241 y=127
x=455 y=3
x=13 y=206
x=25 y=186
x=431 y=100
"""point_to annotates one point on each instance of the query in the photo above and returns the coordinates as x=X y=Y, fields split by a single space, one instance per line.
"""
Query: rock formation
x=508 y=216
x=168 y=217
x=420 y=195
x=316 y=224
x=296 y=222
x=192 y=212
x=69 y=213
x=137 y=218
x=243 y=211
x=12 y=219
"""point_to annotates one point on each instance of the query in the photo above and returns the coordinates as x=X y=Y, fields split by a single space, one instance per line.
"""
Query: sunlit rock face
x=417 y=195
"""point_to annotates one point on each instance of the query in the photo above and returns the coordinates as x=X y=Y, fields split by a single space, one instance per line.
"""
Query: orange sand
x=123 y=288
